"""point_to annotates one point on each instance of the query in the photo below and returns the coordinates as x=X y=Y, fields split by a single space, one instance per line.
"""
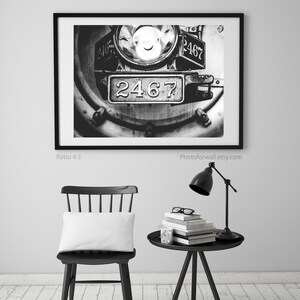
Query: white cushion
x=97 y=231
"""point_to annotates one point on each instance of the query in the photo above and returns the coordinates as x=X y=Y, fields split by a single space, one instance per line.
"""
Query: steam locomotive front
x=149 y=80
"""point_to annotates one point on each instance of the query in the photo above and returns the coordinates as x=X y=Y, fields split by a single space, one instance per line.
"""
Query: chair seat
x=95 y=257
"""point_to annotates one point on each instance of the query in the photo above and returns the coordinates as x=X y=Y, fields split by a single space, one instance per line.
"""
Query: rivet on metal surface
x=220 y=28
x=99 y=116
x=149 y=132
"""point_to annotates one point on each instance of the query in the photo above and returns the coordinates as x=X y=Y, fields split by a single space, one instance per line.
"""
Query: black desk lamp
x=202 y=184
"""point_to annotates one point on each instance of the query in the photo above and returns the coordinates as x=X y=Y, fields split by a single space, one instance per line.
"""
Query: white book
x=183 y=217
x=194 y=241
x=189 y=223
x=191 y=232
x=198 y=236
x=186 y=227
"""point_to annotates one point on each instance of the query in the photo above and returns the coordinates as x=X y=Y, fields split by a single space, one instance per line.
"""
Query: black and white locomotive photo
x=149 y=81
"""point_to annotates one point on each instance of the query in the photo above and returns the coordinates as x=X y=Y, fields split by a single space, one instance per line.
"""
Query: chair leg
x=66 y=283
x=72 y=281
x=125 y=280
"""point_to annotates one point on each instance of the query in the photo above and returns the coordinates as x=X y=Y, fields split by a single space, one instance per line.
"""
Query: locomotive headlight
x=146 y=45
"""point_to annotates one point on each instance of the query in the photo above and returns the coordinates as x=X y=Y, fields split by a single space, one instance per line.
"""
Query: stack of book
x=189 y=229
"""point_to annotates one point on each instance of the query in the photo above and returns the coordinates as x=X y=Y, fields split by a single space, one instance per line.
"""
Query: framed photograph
x=122 y=82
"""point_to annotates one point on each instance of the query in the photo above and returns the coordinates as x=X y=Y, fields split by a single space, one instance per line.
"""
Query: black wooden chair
x=109 y=199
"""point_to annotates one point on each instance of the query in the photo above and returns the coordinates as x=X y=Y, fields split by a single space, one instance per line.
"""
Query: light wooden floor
x=156 y=292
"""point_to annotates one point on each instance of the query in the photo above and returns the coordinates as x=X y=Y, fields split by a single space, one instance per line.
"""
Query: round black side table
x=154 y=238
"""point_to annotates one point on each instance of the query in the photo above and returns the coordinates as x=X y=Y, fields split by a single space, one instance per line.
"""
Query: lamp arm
x=226 y=181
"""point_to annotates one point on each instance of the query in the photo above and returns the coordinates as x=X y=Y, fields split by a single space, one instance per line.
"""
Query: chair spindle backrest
x=123 y=194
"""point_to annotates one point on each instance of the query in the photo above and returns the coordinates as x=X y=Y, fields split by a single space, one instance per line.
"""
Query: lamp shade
x=202 y=182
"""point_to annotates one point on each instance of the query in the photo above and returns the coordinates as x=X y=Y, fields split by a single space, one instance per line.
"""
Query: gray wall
x=266 y=208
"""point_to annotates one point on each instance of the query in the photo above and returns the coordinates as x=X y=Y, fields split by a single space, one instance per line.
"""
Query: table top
x=154 y=238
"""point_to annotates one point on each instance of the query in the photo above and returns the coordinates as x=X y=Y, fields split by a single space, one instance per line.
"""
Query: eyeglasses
x=183 y=210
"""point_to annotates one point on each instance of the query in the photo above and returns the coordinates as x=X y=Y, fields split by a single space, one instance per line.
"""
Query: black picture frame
x=66 y=91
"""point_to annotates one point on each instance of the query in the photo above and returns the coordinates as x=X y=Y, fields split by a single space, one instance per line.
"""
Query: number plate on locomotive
x=146 y=88
x=194 y=50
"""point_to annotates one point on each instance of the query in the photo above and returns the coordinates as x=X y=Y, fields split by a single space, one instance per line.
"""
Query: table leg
x=209 y=276
x=182 y=275
x=194 y=275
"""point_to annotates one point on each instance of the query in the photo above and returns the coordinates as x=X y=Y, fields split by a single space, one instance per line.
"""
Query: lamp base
x=227 y=235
